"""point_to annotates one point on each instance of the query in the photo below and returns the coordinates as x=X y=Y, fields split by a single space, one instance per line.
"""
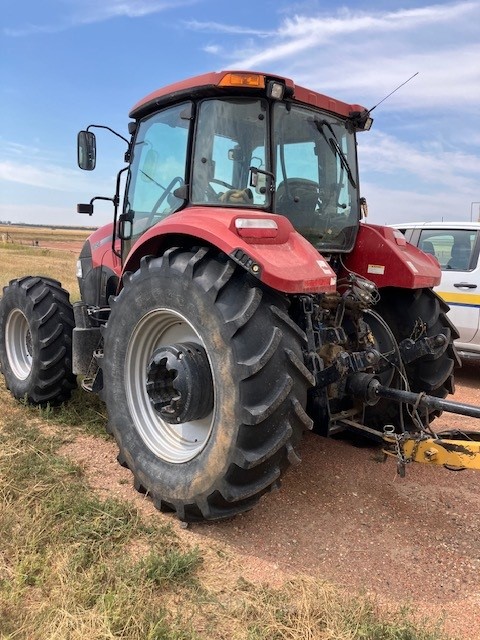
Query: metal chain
x=402 y=460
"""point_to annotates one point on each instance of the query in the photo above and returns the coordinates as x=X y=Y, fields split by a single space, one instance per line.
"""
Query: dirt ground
x=344 y=517
x=72 y=246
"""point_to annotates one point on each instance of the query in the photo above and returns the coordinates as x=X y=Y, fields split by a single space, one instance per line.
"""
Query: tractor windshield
x=316 y=176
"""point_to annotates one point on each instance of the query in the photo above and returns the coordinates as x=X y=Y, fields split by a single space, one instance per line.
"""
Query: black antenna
x=392 y=92
x=361 y=120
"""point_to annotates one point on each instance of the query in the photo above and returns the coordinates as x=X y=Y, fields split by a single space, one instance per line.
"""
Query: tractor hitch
x=412 y=350
x=455 y=450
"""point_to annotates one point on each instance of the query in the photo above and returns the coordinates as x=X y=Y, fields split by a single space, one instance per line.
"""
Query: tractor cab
x=245 y=141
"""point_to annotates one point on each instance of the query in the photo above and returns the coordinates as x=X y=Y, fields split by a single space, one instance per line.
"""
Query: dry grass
x=28 y=235
x=18 y=259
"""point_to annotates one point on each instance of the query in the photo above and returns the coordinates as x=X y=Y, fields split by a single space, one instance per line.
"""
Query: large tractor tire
x=36 y=324
x=204 y=384
x=405 y=311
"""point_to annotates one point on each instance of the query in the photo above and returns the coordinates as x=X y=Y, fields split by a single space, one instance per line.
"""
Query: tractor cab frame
x=242 y=143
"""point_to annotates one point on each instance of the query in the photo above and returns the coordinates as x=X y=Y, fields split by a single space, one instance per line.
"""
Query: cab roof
x=209 y=84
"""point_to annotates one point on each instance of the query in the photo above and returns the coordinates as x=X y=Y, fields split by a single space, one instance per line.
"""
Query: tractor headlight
x=79 y=270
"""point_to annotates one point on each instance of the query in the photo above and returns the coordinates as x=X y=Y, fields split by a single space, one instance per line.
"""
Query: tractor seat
x=297 y=198
x=427 y=247
x=460 y=257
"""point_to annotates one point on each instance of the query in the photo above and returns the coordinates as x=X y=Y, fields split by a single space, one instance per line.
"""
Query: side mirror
x=85 y=208
x=86 y=150
x=258 y=179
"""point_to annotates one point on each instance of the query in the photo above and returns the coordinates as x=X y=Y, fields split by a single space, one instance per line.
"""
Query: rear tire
x=216 y=452
x=36 y=324
x=401 y=309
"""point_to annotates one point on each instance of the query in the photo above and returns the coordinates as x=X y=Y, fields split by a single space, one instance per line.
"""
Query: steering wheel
x=224 y=184
x=210 y=192
x=165 y=194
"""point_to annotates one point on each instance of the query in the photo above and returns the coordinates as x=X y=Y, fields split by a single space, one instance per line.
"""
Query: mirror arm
x=102 y=126
x=88 y=208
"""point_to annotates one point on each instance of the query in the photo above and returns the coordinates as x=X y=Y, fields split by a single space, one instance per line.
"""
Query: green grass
x=75 y=566
x=84 y=412
x=173 y=566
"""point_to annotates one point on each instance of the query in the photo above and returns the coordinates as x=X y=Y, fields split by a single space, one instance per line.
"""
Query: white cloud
x=91 y=11
x=95 y=11
x=360 y=56
x=394 y=206
x=408 y=182
x=47 y=176
x=305 y=32
x=456 y=169
x=212 y=48
x=32 y=29
x=18 y=149
x=217 y=27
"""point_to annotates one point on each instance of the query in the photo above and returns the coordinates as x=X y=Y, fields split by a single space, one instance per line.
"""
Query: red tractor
x=237 y=300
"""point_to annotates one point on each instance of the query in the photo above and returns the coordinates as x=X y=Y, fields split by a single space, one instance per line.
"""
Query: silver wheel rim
x=18 y=343
x=175 y=443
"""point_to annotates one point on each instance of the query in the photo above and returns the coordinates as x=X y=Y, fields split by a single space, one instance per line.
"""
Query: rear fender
x=274 y=253
x=382 y=255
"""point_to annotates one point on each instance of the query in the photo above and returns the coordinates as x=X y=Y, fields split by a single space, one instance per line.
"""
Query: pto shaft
x=369 y=388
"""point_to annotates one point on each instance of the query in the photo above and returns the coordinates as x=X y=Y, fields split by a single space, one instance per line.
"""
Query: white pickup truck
x=456 y=245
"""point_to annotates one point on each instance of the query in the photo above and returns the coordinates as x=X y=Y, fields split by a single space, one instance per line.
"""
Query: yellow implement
x=454 y=450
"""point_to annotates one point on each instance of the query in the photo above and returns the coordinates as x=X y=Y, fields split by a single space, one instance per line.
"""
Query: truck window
x=453 y=248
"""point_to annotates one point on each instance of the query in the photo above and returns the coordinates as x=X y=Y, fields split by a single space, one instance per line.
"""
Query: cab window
x=158 y=167
x=316 y=176
x=231 y=137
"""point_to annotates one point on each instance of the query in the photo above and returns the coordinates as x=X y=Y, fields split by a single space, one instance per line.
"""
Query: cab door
x=157 y=177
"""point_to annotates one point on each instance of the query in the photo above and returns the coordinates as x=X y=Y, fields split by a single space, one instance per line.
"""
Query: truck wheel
x=36 y=323
x=402 y=310
x=204 y=384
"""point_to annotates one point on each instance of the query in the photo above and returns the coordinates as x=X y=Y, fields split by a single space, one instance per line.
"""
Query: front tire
x=36 y=324
x=204 y=384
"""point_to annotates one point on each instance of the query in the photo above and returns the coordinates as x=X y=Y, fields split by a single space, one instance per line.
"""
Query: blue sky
x=69 y=63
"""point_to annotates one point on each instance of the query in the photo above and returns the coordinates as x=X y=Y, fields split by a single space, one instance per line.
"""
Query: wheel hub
x=19 y=344
x=179 y=382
